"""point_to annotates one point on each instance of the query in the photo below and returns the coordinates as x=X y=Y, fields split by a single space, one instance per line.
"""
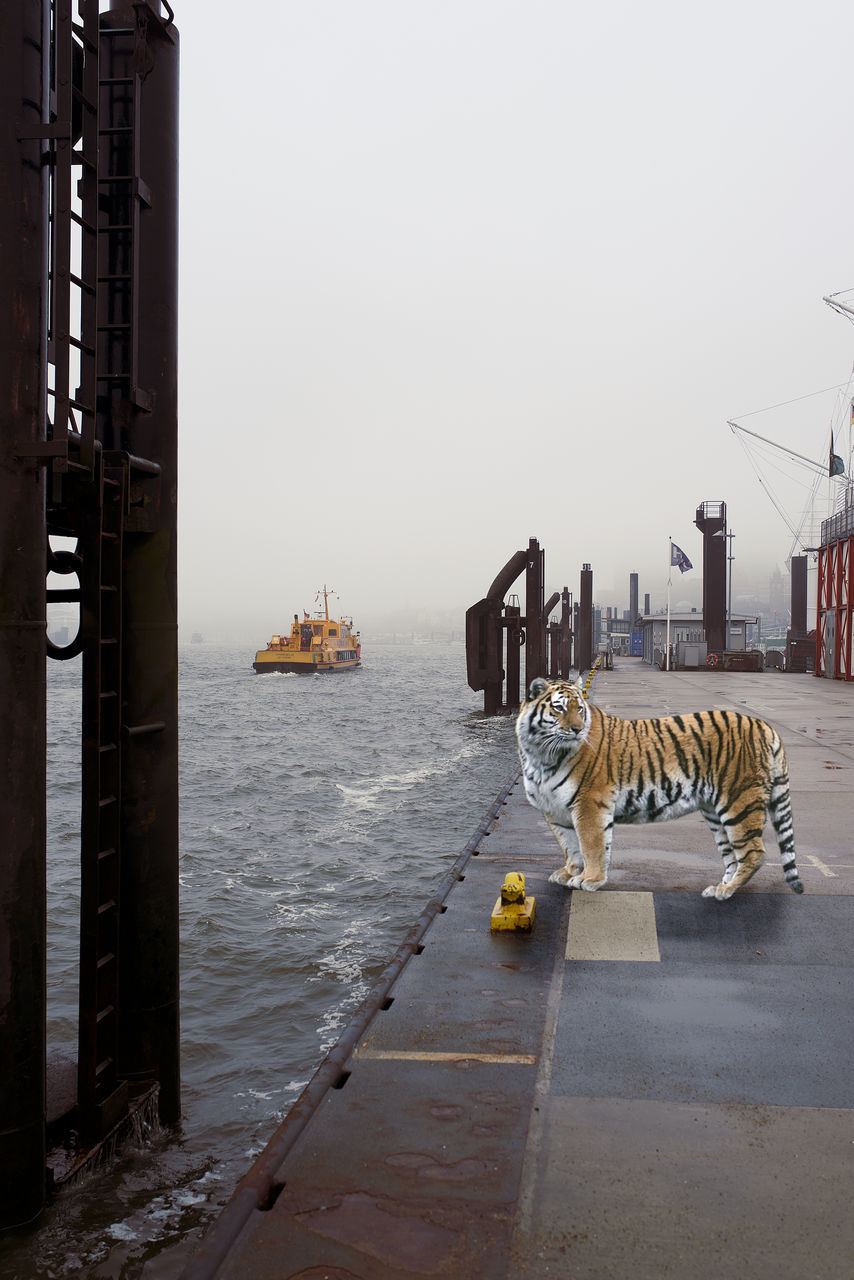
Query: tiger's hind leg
x=724 y=847
x=568 y=841
x=740 y=839
x=780 y=812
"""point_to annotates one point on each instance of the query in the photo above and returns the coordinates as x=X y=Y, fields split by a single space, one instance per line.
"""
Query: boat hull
x=265 y=664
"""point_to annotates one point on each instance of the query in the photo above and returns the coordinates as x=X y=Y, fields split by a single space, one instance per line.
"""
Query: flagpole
x=669 y=575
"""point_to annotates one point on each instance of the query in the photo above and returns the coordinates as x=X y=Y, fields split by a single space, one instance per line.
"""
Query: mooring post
x=584 y=634
x=711 y=521
x=565 y=633
x=23 y=552
x=149 y=928
x=550 y=632
x=535 y=623
x=513 y=643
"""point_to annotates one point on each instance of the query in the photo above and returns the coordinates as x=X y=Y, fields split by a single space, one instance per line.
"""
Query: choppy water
x=317 y=815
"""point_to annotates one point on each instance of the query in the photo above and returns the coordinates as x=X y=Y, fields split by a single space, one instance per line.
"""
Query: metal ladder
x=102 y=1097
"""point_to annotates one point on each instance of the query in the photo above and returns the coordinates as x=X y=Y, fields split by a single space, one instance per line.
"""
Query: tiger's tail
x=780 y=813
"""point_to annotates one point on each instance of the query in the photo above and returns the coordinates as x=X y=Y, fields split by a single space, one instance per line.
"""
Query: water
x=317 y=815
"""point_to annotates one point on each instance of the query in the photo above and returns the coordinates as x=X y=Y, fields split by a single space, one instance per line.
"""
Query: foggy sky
x=458 y=273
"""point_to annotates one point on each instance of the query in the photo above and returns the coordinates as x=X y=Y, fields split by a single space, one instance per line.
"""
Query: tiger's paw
x=590 y=885
x=561 y=876
x=720 y=891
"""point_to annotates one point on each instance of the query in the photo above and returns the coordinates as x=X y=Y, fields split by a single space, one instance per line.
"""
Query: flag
x=836 y=466
x=679 y=558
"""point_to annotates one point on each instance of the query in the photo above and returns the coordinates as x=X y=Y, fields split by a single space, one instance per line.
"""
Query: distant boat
x=315 y=644
x=197 y=638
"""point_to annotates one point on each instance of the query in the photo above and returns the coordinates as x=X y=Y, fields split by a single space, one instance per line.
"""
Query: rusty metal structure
x=711 y=521
x=497 y=632
x=584 y=644
x=834 y=655
x=88 y=457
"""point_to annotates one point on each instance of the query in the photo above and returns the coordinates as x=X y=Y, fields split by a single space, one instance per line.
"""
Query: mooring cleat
x=512 y=909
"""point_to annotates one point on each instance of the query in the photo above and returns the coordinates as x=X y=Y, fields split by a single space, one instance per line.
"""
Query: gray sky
x=458 y=273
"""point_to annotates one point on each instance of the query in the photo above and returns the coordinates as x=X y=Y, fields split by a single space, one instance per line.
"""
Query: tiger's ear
x=537 y=687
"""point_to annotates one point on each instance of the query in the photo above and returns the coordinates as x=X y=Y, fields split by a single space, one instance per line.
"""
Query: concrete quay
x=649 y=1086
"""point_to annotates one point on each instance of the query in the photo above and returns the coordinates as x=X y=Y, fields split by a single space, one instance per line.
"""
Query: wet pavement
x=648 y=1085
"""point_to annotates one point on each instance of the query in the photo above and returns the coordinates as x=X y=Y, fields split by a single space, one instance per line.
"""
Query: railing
x=840 y=525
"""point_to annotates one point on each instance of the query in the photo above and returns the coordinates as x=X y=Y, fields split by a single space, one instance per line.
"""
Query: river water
x=317 y=815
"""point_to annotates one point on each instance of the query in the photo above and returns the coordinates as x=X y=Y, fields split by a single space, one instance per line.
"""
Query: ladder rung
x=135 y=730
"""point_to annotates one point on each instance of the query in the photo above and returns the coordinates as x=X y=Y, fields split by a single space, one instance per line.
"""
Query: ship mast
x=790 y=453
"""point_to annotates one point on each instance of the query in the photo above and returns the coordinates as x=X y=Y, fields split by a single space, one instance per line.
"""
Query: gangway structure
x=496 y=632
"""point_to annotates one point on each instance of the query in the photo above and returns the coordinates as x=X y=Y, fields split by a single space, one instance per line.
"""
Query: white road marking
x=408 y=1055
x=822 y=866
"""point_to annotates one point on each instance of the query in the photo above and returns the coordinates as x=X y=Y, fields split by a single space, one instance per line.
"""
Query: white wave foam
x=369 y=795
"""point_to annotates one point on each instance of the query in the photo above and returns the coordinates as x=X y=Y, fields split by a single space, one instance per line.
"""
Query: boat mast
x=839 y=306
x=790 y=453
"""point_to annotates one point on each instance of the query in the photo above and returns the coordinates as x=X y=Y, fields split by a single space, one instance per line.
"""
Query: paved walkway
x=651 y=1085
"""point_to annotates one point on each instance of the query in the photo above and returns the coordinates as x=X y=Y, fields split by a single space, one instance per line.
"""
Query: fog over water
x=460 y=273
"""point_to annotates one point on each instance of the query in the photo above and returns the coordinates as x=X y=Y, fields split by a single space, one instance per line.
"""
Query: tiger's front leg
x=568 y=841
x=594 y=825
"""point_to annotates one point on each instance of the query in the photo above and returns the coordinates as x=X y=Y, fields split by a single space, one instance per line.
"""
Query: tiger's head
x=554 y=720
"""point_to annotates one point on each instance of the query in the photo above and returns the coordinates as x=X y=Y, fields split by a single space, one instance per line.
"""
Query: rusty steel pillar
x=513 y=632
x=141 y=426
x=552 y=631
x=23 y=550
x=711 y=521
x=799 y=596
x=565 y=656
x=535 y=622
x=485 y=638
x=584 y=632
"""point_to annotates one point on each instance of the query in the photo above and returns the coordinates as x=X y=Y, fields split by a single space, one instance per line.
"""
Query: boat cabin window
x=333 y=631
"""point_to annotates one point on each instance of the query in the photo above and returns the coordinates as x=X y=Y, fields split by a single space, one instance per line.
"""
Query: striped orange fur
x=586 y=771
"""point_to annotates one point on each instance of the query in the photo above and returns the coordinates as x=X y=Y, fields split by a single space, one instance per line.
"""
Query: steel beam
x=23 y=553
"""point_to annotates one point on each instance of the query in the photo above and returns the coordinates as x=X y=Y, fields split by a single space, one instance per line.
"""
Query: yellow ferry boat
x=317 y=643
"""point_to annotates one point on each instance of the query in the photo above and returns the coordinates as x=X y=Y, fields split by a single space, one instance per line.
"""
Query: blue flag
x=679 y=558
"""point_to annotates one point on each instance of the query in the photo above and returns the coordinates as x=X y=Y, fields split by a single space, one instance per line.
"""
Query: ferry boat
x=315 y=644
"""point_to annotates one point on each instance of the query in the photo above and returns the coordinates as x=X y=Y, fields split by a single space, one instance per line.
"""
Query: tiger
x=585 y=770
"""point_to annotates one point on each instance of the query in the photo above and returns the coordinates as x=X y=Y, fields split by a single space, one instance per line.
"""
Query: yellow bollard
x=512 y=909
